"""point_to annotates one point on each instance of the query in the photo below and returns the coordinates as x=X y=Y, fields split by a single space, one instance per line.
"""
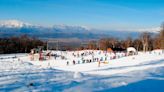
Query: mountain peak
x=13 y=23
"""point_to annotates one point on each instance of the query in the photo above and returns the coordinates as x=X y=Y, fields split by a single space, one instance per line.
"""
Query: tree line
x=145 y=42
x=22 y=44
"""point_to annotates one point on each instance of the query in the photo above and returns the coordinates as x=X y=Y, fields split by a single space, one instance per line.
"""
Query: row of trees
x=22 y=44
x=145 y=42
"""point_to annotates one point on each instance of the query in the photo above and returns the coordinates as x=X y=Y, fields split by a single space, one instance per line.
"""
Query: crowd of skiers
x=81 y=57
x=93 y=58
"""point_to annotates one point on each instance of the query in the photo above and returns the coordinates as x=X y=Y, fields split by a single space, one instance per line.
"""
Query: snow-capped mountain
x=64 y=27
x=20 y=24
x=13 y=24
x=16 y=28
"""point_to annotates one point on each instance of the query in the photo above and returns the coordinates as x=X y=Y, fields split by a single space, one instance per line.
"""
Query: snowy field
x=80 y=71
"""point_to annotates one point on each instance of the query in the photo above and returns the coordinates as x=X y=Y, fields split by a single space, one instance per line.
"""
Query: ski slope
x=18 y=73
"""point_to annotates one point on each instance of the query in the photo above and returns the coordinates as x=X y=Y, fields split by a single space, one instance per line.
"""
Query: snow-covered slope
x=140 y=73
x=128 y=62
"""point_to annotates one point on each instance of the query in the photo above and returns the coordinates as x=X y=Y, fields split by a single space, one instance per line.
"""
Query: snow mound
x=117 y=84
x=78 y=75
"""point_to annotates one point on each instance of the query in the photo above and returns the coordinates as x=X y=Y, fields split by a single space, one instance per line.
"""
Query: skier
x=74 y=62
x=67 y=63
x=99 y=63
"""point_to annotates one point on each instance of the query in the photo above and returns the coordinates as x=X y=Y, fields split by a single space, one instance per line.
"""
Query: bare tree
x=103 y=44
x=156 y=42
x=92 y=45
x=137 y=44
x=161 y=36
x=112 y=42
x=145 y=37
x=128 y=42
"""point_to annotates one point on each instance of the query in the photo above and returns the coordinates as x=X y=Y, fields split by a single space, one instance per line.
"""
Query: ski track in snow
x=20 y=76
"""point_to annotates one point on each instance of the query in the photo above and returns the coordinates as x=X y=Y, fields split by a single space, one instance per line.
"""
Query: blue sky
x=101 y=14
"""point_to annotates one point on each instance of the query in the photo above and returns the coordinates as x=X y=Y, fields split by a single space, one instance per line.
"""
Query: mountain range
x=16 y=28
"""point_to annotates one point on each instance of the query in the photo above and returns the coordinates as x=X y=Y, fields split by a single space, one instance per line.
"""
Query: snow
x=78 y=75
x=129 y=49
x=13 y=24
x=120 y=62
x=19 y=73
